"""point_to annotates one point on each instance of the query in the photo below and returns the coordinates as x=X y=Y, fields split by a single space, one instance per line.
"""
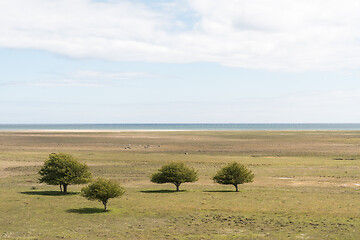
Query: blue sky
x=83 y=61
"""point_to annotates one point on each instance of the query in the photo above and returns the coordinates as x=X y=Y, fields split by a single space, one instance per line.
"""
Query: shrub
x=63 y=169
x=175 y=173
x=102 y=190
x=234 y=174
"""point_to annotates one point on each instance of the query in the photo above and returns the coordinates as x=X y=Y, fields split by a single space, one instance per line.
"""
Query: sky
x=179 y=61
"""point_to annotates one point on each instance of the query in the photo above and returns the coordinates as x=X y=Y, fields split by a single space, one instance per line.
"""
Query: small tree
x=63 y=169
x=102 y=190
x=176 y=173
x=234 y=174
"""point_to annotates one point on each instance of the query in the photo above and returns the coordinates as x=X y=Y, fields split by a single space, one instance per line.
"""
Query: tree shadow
x=220 y=191
x=86 y=210
x=162 y=191
x=48 y=193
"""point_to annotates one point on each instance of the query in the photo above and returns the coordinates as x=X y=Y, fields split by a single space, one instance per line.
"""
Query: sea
x=186 y=126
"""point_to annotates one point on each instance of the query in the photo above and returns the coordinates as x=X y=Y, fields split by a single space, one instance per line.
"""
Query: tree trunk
x=105 y=207
x=236 y=187
x=65 y=188
x=177 y=187
x=60 y=188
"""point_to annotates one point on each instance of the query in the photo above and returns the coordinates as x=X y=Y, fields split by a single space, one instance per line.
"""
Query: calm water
x=198 y=126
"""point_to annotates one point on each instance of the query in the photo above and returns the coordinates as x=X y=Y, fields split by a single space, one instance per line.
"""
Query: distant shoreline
x=183 y=127
x=144 y=131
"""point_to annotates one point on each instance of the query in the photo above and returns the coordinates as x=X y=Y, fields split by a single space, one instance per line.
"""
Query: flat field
x=306 y=186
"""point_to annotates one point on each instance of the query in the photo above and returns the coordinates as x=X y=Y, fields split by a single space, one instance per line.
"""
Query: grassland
x=306 y=186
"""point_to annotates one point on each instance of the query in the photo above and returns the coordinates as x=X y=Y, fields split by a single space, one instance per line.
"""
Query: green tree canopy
x=63 y=169
x=176 y=173
x=102 y=190
x=234 y=174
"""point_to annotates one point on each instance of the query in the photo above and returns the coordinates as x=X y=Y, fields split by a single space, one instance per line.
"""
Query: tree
x=102 y=190
x=176 y=173
x=63 y=169
x=234 y=174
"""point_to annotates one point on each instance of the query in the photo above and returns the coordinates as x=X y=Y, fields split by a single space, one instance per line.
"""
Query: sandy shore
x=104 y=131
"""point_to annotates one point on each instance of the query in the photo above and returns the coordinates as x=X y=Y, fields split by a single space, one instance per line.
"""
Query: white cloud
x=275 y=35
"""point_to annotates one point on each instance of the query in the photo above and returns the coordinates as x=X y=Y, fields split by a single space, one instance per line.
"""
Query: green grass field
x=306 y=186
